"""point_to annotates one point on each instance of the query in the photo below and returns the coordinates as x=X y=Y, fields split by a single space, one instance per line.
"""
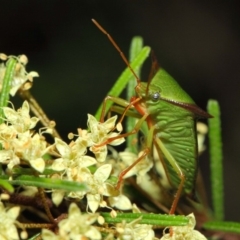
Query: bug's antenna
x=117 y=48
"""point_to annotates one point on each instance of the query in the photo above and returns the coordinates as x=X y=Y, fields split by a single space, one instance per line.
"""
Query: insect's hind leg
x=145 y=152
x=178 y=171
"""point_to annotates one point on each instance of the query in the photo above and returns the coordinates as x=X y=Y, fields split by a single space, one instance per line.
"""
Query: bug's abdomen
x=176 y=130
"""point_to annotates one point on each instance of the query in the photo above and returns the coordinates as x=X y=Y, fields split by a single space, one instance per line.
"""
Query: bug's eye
x=155 y=96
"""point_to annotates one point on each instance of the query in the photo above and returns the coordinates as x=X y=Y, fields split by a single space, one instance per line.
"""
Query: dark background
x=197 y=42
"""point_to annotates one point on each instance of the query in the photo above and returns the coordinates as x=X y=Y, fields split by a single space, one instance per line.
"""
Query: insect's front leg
x=116 y=100
x=127 y=106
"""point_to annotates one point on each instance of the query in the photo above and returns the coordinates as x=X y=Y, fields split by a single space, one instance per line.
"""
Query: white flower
x=20 y=119
x=121 y=202
x=8 y=218
x=76 y=226
x=7 y=134
x=57 y=194
x=34 y=151
x=8 y=157
x=72 y=156
x=29 y=191
x=98 y=187
x=135 y=230
x=185 y=232
x=100 y=135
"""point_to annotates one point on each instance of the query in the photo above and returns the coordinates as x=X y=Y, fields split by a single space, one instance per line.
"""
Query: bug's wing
x=177 y=149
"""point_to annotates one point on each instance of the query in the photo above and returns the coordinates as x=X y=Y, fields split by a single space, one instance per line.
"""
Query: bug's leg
x=121 y=102
x=137 y=127
x=127 y=107
x=129 y=113
x=177 y=169
x=145 y=152
x=115 y=100
x=135 y=130
x=125 y=171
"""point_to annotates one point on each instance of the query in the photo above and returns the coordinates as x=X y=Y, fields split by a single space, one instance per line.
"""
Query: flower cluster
x=79 y=226
x=135 y=230
x=18 y=141
x=22 y=146
x=73 y=163
x=185 y=232
x=76 y=226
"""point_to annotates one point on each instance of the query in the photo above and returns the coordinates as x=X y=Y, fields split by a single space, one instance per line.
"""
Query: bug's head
x=148 y=92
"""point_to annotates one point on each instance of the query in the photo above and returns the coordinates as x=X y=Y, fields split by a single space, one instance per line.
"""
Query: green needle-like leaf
x=135 y=48
x=216 y=156
x=6 y=185
x=6 y=85
x=47 y=183
x=233 y=227
x=148 y=218
x=36 y=236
